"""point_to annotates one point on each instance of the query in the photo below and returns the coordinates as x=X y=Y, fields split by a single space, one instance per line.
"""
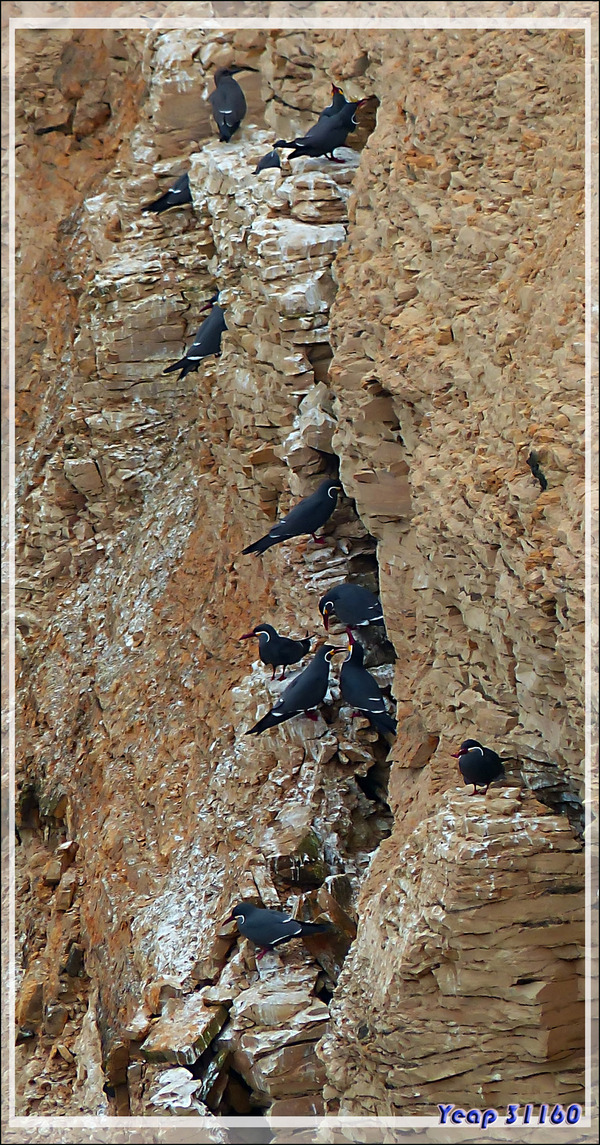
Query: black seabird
x=278 y=651
x=177 y=196
x=327 y=133
x=270 y=928
x=533 y=462
x=338 y=101
x=352 y=604
x=479 y=765
x=271 y=159
x=206 y=342
x=305 y=692
x=305 y=517
x=360 y=689
x=228 y=101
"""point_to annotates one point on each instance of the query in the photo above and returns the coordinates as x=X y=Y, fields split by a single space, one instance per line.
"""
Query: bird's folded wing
x=375 y=703
x=291 y=691
x=279 y=529
x=293 y=926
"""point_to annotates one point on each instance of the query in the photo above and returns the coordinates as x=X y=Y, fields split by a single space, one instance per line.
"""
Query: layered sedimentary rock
x=477 y=940
x=410 y=318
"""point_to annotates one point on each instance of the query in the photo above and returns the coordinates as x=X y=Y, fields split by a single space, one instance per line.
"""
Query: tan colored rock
x=52 y=872
x=290 y=1070
x=30 y=1007
x=184 y=1030
x=471 y=946
x=55 y=1019
x=174 y=1091
x=66 y=891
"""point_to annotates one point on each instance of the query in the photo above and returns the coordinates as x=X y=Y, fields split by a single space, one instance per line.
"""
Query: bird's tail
x=383 y=723
x=283 y=143
x=317 y=928
x=268 y=721
x=176 y=366
x=159 y=205
x=260 y=546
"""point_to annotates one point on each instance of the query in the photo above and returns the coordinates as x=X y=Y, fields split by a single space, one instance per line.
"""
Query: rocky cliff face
x=412 y=320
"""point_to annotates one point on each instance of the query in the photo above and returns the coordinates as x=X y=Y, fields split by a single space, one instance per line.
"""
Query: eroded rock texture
x=411 y=319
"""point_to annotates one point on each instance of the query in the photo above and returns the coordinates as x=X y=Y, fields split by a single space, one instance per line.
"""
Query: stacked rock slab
x=477 y=915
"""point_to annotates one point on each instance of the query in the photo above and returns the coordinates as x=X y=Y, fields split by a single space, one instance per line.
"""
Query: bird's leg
x=334 y=159
x=282 y=677
x=355 y=715
x=273 y=673
x=312 y=715
x=263 y=950
x=318 y=540
x=474 y=791
x=485 y=790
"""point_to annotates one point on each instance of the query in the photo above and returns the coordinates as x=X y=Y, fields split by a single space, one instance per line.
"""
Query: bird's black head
x=331 y=487
x=240 y=911
x=326 y=607
x=260 y=630
x=232 y=70
x=335 y=90
x=211 y=302
x=354 y=108
x=355 y=651
x=466 y=746
x=329 y=651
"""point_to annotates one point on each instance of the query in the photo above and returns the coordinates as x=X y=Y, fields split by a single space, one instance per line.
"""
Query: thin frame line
x=363 y=1122
x=12 y=566
x=588 y=567
x=429 y=23
x=161 y=24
